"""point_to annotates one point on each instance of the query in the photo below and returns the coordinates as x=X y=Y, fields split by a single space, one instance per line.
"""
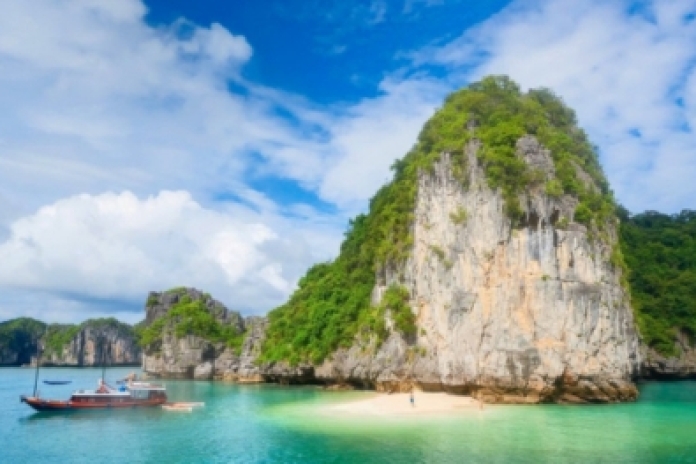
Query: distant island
x=496 y=263
x=95 y=342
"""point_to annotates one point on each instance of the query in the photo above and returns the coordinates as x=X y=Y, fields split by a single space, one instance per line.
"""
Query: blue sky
x=329 y=51
x=225 y=145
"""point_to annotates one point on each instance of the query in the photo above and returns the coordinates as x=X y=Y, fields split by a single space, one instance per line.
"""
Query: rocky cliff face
x=197 y=357
x=96 y=345
x=659 y=367
x=523 y=315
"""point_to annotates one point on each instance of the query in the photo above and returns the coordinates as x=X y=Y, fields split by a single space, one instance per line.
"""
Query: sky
x=225 y=145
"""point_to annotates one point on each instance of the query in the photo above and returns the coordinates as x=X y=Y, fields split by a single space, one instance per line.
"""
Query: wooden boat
x=131 y=395
x=57 y=382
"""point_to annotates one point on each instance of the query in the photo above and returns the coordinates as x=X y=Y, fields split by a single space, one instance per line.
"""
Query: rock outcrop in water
x=226 y=351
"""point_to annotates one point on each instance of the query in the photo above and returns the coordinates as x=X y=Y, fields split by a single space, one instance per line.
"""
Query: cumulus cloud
x=117 y=247
x=218 y=44
x=625 y=67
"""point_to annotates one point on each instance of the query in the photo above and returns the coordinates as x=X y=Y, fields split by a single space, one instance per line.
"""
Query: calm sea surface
x=286 y=425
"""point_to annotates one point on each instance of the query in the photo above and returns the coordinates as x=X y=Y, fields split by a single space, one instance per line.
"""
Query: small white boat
x=191 y=404
x=182 y=406
x=179 y=408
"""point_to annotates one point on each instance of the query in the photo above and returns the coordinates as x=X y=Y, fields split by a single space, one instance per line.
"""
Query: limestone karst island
x=495 y=264
x=348 y=232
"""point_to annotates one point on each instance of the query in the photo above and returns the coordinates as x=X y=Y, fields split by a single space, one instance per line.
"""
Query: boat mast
x=38 y=361
x=103 y=353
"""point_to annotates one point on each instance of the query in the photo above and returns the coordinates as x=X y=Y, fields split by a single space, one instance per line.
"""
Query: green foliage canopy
x=660 y=251
x=21 y=333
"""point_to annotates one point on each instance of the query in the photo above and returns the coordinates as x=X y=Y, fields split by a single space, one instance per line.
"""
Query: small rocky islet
x=492 y=265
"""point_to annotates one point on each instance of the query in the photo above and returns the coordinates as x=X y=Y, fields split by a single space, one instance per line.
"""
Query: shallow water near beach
x=269 y=423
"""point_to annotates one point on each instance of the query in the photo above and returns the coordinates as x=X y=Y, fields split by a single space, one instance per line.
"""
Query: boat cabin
x=127 y=393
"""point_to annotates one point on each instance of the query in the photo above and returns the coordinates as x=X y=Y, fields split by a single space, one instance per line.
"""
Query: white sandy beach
x=399 y=404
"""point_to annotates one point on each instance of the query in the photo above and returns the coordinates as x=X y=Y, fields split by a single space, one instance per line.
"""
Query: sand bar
x=399 y=404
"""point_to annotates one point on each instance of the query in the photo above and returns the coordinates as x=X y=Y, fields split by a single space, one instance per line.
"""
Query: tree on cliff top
x=332 y=303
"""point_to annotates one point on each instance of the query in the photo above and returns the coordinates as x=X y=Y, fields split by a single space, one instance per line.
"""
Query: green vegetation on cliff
x=495 y=112
x=22 y=325
x=190 y=317
x=333 y=301
x=395 y=300
x=58 y=336
x=660 y=251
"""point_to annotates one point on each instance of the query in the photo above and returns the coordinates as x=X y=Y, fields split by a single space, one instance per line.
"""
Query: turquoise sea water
x=254 y=424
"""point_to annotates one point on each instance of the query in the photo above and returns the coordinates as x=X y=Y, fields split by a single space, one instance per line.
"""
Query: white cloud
x=219 y=45
x=622 y=69
x=118 y=247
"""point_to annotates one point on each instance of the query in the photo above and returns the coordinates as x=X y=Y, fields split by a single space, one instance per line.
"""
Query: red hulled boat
x=129 y=395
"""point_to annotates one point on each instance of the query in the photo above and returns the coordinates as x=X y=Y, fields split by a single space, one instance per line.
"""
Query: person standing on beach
x=413 y=401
